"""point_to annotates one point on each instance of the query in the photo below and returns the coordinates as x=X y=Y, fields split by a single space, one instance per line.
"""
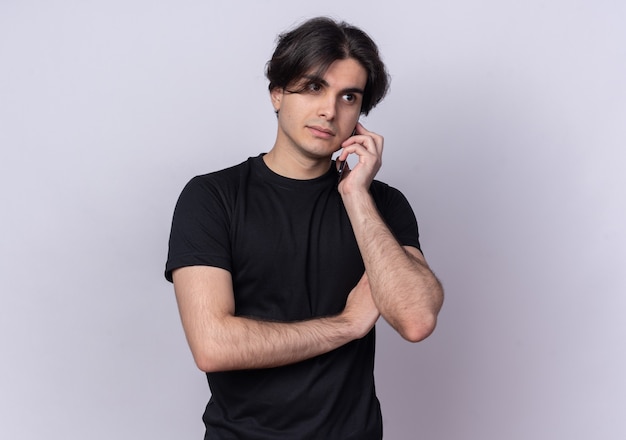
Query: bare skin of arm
x=404 y=289
x=221 y=341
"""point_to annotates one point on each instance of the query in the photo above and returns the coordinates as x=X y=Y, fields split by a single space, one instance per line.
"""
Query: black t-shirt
x=292 y=254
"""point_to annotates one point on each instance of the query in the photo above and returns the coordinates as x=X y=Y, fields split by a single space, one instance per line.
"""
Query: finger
x=365 y=140
x=360 y=146
x=360 y=150
x=367 y=158
x=371 y=141
x=361 y=130
x=343 y=156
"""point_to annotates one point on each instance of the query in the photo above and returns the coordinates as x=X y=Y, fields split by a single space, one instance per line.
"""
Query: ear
x=276 y=95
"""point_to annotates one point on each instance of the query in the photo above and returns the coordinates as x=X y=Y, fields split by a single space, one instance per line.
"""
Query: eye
x=351 y=98
x=313 y=87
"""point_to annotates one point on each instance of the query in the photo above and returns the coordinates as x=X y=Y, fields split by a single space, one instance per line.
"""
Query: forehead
x=348 y=70
x=344 y=73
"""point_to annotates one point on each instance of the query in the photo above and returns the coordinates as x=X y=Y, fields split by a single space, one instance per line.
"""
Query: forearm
x=233 y=343
x=221 y=341
x=406 y=292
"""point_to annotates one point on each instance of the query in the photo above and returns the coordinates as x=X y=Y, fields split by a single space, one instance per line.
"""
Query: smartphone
x=342 y=164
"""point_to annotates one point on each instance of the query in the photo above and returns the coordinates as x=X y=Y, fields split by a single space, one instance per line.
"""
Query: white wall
x=505 y=127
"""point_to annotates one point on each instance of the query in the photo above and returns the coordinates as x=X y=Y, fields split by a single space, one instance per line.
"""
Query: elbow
x=205 y=363
x=209 y=365
x=418 y=329
x=422 y=323
x=208 y=361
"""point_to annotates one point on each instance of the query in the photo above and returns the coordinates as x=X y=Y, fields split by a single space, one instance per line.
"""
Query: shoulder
x=397 y=212
x=212 y=193
x=386 y=196
x=221 y=183
x=226 y=176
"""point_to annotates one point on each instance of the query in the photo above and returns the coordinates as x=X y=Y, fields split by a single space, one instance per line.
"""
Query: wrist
x=356 y=196
x=353 y=326
x=359 y=205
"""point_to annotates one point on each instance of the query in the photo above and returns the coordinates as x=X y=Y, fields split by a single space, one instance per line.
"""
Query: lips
x=319 y=131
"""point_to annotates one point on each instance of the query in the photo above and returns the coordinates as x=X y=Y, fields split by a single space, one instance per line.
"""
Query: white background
x=505 y=127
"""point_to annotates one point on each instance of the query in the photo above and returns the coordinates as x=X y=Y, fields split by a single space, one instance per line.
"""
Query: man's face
x=323 y=112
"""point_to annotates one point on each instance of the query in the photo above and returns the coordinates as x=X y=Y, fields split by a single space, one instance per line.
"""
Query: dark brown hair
x=314 y=45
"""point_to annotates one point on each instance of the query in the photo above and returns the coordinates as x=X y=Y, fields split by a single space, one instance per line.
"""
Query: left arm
x=405 y=290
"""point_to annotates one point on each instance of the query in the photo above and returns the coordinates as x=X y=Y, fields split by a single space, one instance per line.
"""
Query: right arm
x=221 y=341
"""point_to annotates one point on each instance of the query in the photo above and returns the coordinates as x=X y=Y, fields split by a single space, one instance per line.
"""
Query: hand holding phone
x=368 y=146
x=341 y=164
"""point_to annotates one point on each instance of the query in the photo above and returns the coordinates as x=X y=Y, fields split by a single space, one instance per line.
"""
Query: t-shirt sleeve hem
x=195 y=260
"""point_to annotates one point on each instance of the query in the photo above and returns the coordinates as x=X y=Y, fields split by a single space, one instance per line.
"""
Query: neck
x=295 y=166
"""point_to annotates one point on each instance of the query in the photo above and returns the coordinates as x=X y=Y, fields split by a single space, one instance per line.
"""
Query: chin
x=321 y=152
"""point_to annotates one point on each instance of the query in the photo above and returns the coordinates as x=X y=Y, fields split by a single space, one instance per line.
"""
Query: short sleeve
x=397 y=213
x=200 y=227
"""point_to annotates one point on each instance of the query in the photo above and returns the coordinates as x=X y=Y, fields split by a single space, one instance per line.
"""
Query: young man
x=283 y=264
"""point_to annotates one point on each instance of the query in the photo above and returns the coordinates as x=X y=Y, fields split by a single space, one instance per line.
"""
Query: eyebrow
x=322 y=81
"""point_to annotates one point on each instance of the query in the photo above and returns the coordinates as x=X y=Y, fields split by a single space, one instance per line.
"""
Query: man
x=283 y=264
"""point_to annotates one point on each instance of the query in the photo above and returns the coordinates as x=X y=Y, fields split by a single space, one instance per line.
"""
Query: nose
x=327 y=107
